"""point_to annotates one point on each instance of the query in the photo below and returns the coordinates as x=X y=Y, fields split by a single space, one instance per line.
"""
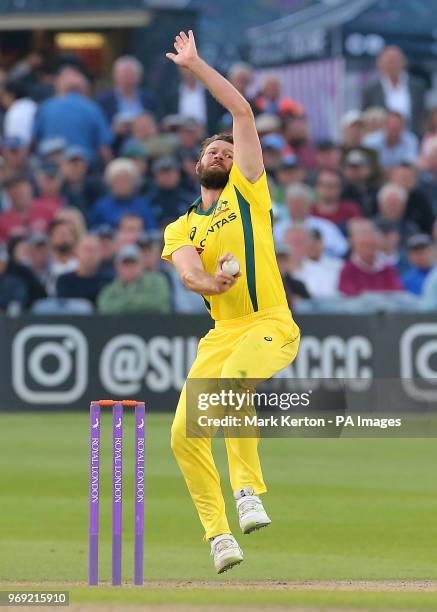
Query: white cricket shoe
x=251 y=513
x=225 y=552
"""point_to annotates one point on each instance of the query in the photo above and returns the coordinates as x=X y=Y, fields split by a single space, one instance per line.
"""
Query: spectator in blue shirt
x=394 y=144
x=123 y=178
x=74 y=117
x=421 y=257
x=127 y=96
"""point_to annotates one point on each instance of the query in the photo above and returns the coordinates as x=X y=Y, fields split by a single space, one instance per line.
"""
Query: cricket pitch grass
x=354 y=523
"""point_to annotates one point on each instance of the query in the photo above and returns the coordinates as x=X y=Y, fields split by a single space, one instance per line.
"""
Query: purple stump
x=117 y=491
x=93 y=550
x=140 y=422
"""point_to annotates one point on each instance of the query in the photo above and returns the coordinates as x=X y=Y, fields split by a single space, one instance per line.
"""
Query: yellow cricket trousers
x=258 y=345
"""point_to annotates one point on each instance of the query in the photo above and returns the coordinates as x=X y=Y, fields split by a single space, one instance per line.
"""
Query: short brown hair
x=226 y=136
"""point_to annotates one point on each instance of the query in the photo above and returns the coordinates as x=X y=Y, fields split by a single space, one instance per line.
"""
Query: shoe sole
x=255 y=527
x=229 y=566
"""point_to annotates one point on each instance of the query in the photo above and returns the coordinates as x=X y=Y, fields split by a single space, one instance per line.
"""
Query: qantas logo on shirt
x=218 y=225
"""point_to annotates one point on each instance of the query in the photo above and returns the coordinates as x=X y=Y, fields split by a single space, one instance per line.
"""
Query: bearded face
x=212 y=177
x=214 y=167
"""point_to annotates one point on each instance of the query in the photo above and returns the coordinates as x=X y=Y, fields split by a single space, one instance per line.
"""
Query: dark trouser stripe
x=249 y=248
x=207 y=304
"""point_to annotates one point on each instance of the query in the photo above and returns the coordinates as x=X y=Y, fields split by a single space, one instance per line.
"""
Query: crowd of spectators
x=89 y=180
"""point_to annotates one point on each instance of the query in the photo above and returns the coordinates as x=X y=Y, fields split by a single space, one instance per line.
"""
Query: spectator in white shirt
x=299 y=199
x=395 y=90
x=192 y=97
x=20 y=111
x=319 y=276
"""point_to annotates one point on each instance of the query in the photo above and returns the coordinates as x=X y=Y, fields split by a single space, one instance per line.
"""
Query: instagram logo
x=418 y=361
x=49 y=364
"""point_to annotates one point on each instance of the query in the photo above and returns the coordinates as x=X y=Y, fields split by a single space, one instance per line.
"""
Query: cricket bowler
x=254 y=334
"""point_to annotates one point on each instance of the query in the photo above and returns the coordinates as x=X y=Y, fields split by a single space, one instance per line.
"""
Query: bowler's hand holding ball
x=231 y=266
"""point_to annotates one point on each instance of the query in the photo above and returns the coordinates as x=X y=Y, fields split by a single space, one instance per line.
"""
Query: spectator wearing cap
x=63 y=238
x=190 y=134
x=288 y=173
x=52 y=149
x=329 y=204
x=16 y=155
x=267 y=124
x=421 y=257
x=299 y=201
x=374 y=119
x=394 y=89
x=359 y=185
x=87 y=280
x=124 y=180
x=105 y=235
x=168 y=198
x=391 y=247
x=295 y=289
x=39 y=257
x=319 y=275
x=150 y=244
x=24 y=271
x=270 y=99
x=297 y=134
x=71 y=115
x=20 y=111
x=392 y=205
x=274 y=146
x=367 y=268
x=419 y=209
x=352 y=129
x=24 y=215
x=80 y=189
x=49 y=183
x=13 y=290
x=394 y=144
x=133 y=289
x=127 y=95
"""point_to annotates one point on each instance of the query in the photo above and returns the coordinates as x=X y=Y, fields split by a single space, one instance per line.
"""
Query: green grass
x=342 y=509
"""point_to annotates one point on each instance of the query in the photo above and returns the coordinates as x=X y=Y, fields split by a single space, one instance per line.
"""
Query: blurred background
x=99 y=139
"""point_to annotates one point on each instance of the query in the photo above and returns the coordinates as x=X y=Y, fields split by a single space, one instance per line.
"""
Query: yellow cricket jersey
x=240 y=223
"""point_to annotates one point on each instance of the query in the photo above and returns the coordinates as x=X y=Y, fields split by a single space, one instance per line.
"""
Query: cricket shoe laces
x=225 y=552
x=251 y=513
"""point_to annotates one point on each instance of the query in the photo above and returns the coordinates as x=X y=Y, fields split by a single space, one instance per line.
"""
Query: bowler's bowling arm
x=193 y=275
